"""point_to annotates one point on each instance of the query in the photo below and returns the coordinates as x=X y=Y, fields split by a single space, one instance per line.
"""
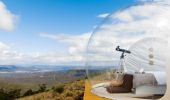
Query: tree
x=15 y=93
x=3 y=95
x=9 y=95
x=28 y=92
x=42 y=88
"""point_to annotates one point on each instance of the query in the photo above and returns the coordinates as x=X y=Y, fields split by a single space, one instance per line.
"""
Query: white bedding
x=160 y=76
x=145 y=89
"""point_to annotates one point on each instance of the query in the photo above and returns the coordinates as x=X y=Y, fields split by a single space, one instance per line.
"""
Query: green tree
x=3 y=95
x=59 y=89
x=9 y=95
x=42 y=88
x=14 y=93
x=28 y=92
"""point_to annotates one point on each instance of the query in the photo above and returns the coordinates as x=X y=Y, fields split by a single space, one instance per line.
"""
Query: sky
x=142 y=29
x=51 y=31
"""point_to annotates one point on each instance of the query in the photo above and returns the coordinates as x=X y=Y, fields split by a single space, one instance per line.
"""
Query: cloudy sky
x=137 y=28
x=52 y=32
x=49 y=32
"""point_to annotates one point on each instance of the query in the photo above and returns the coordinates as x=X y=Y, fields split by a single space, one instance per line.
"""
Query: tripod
x=121 y=68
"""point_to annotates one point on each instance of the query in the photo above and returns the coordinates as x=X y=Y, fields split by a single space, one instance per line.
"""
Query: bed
x=150 y=83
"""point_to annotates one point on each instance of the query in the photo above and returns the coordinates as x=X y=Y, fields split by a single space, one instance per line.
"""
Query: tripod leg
x=120 y=71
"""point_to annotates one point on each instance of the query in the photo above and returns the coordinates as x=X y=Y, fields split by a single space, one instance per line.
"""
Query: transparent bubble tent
x=127 y=53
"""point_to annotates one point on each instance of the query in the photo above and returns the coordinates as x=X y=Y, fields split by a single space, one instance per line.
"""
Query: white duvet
x=160 y=76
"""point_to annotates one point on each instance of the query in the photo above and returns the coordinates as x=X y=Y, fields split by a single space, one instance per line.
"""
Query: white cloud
x=10 y=57
x=104 y=15
x=76 y=45
x=7 y=19
x=126 y=27
x=4 y=46
x=76 y=52
x=166 y=1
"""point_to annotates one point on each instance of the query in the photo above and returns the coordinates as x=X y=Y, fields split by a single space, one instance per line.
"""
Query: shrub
x=42 y=88
x=28 y=92
x=59 y=89
x=3 y=95
x=15 y=93
x=69 y=93
x=9 y=95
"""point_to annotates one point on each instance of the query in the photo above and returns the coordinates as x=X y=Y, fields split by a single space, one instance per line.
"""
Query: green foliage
x=68 y=91
x=3 y=95
x=42 y=88
x=15 y=93
x=9 y=95
x=28 y=92
x=59 y=88
x=31 y=86
x=12 y=94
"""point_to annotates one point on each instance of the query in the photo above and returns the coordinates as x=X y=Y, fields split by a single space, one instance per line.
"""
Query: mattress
x=160 y=76
x=150 y=83
x=148 y=89
x=143 y=79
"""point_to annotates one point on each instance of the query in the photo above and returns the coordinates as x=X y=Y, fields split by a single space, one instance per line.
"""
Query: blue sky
x=37 y=21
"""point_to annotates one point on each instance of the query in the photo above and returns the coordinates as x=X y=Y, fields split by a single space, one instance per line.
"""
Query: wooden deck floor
x=88 y=95
x=121 y=96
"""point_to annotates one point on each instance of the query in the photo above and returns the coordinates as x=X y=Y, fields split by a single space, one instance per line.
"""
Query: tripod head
x=123 y=51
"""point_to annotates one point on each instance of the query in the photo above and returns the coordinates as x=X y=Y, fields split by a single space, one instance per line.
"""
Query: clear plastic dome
x=148 y=54
x=143 y=31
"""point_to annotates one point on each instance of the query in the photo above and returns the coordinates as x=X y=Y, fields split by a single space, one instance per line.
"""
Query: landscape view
x=84 y=49
x=33 y=83
x=43 y=47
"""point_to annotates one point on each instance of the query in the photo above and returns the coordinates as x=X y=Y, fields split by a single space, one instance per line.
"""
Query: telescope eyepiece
x=122 y=50
x=117 y=48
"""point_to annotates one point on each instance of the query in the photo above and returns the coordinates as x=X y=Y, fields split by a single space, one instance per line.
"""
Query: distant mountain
x=8 y=68
x=35 y=68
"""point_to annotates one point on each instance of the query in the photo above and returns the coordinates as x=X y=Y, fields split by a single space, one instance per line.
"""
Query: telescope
x=123 y=51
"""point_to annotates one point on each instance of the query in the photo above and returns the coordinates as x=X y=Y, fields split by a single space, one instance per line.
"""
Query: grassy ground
x=70 y=91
